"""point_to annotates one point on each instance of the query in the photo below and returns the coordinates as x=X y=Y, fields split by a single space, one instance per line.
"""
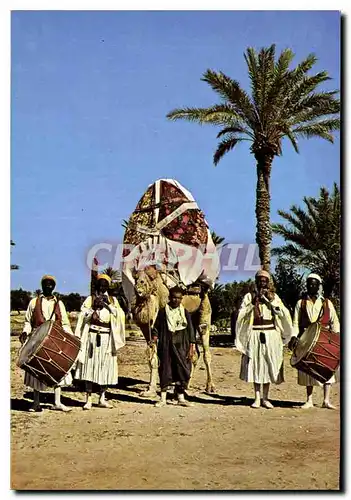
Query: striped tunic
x=98 y=358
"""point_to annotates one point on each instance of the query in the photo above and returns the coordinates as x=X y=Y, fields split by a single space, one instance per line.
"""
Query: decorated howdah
x=167 y=229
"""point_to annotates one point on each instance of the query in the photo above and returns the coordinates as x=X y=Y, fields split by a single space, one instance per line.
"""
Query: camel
x=151 y=295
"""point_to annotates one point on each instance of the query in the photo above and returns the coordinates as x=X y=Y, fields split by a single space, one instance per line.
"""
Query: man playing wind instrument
x=101 y=329
x=263 y=326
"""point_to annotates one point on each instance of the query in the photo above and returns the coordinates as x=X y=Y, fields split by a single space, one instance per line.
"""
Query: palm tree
x=284 y=102
x=216 y=297
x=217 y=240
x=114 y=274
x=312 y=237
x=288 y=283
x=116 y=288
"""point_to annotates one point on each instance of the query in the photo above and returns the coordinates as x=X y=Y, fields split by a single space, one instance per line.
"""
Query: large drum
x=317 y=353
x=49 y=353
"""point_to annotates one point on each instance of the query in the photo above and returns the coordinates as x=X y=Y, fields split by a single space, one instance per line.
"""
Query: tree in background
x=226 y=299
x=116 y=288
x=217 y=301
x=312 y=236
x=20 y=299
x=288 y=283
x=13 y=267
x=284 y=103
x=217 y=240
x=72 y=301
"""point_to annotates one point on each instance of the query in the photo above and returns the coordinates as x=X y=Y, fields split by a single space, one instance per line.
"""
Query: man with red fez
x=311 y=308
x=101 y=329
x=41 y=309
x=263 y=326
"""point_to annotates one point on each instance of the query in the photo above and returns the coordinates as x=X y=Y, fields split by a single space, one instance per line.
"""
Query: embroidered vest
x=38 y=317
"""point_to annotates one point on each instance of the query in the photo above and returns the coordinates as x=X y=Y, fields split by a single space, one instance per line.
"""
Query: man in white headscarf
x=263 y=326
x=307 y=311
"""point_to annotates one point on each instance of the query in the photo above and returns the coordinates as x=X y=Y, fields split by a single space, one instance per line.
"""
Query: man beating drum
x=41 y=309
x=308 y=310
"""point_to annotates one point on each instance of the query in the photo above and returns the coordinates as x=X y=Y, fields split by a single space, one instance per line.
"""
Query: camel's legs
x=205 y=341
x=194 y=362
x=151 y=352
x=205 y=338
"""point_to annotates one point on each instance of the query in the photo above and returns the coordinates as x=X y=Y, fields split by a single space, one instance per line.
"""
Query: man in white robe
x=101 y=329
x=41 y=309
x=263 y=326
x=307 y=311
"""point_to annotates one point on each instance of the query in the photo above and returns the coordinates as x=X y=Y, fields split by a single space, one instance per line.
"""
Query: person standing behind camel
x=175 y=336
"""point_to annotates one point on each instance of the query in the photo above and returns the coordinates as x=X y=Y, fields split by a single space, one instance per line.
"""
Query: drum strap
x=304 y=320
x=56 y=311
x=324 y=315
x=38 y=317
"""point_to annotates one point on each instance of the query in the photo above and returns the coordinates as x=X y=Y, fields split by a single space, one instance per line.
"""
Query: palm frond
x=234 y=130
x=224 y=147
x=303 y=67
x=285 y=102
x=290 y=135
x=312 y=236
x=230 y=91
x=222 y=114
x=321 y=129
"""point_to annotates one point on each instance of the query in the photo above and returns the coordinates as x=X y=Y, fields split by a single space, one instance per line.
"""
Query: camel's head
x=143 y=285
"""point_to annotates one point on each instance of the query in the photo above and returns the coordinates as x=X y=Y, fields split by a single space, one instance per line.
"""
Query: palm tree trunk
x=263 y=223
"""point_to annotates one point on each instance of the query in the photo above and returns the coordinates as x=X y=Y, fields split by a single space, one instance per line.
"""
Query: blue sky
x=90 y=92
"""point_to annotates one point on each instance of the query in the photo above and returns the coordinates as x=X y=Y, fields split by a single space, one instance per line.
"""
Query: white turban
x=315 y=277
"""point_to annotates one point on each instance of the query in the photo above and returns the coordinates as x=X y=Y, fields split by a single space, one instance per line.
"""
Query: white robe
x=98 y=364
x=47 y=309
x=262 y=363
x=313 y=311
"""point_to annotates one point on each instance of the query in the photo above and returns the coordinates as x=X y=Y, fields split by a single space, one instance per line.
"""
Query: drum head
x=306 y=343
x=33 y=343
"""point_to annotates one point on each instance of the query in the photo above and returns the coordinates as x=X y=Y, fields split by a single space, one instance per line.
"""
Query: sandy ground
x=219 y=444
